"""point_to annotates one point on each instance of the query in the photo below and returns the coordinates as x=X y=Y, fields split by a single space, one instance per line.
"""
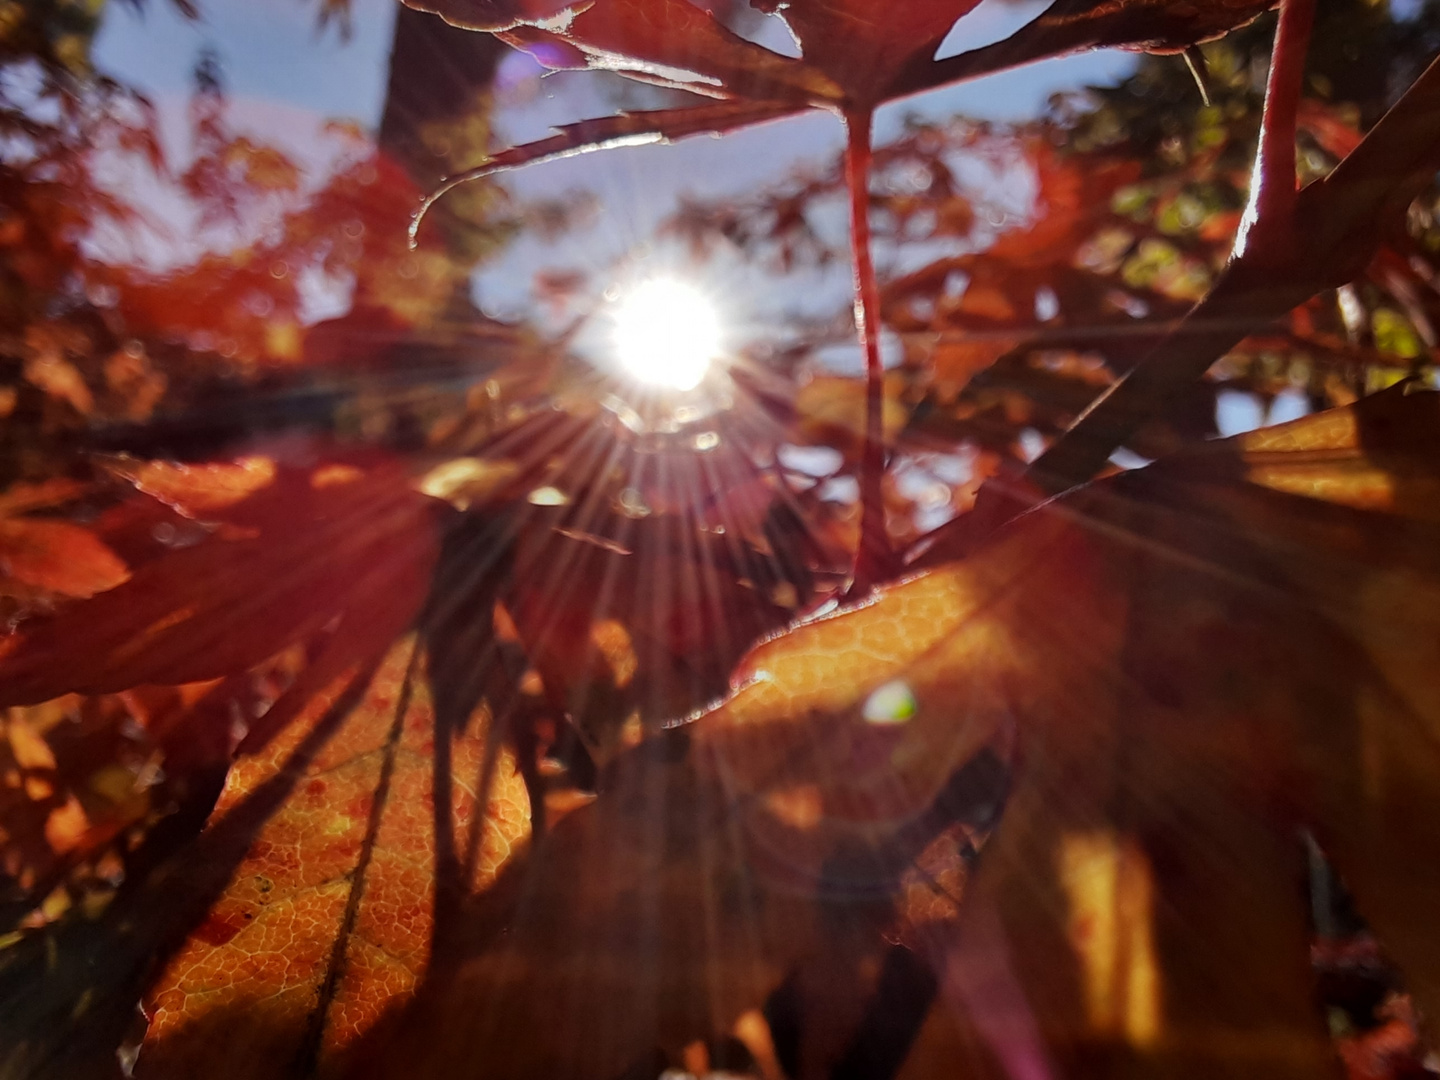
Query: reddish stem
x=1267 y=229
x=873 y=557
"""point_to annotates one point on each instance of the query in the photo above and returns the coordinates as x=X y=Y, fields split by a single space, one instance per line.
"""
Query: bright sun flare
x=666 y=333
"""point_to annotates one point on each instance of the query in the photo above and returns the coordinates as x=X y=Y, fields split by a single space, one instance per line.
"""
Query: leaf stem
x=1267 y=229
x=873 y=556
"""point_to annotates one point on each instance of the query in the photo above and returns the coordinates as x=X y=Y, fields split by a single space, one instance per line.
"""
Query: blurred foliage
x=108 y=349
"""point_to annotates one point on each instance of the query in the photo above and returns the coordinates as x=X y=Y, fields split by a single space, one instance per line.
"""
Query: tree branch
x=1267 y=228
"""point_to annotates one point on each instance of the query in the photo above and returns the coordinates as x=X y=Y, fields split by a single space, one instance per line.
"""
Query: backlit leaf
x=860 y=44
x=193 y=489
x=58 y=556
x=326 y=921
x=1188 y=664
x=226 y=604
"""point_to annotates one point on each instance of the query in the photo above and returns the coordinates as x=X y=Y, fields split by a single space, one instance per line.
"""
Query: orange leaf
x=831 y=410
x=637 y=927
x=30 y=750
x=224 y=605
x=22 y=498
x=1072 y=198
x=608 y=644
x=1188 y=662
x=194 y=489
x=987 y=302
x=58 y=556
x=58 y=377
x=956 y=362
x=327 y=920
x=66 y=825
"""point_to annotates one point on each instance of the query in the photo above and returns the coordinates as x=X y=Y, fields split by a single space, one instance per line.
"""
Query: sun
x=667 y=333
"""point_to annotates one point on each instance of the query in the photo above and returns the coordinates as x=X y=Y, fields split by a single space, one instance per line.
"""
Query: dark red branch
x=873 y=558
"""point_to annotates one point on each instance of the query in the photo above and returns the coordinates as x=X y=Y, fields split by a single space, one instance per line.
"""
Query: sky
x=270 y=50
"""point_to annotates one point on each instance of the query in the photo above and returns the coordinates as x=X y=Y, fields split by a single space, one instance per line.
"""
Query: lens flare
x=666 y=334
